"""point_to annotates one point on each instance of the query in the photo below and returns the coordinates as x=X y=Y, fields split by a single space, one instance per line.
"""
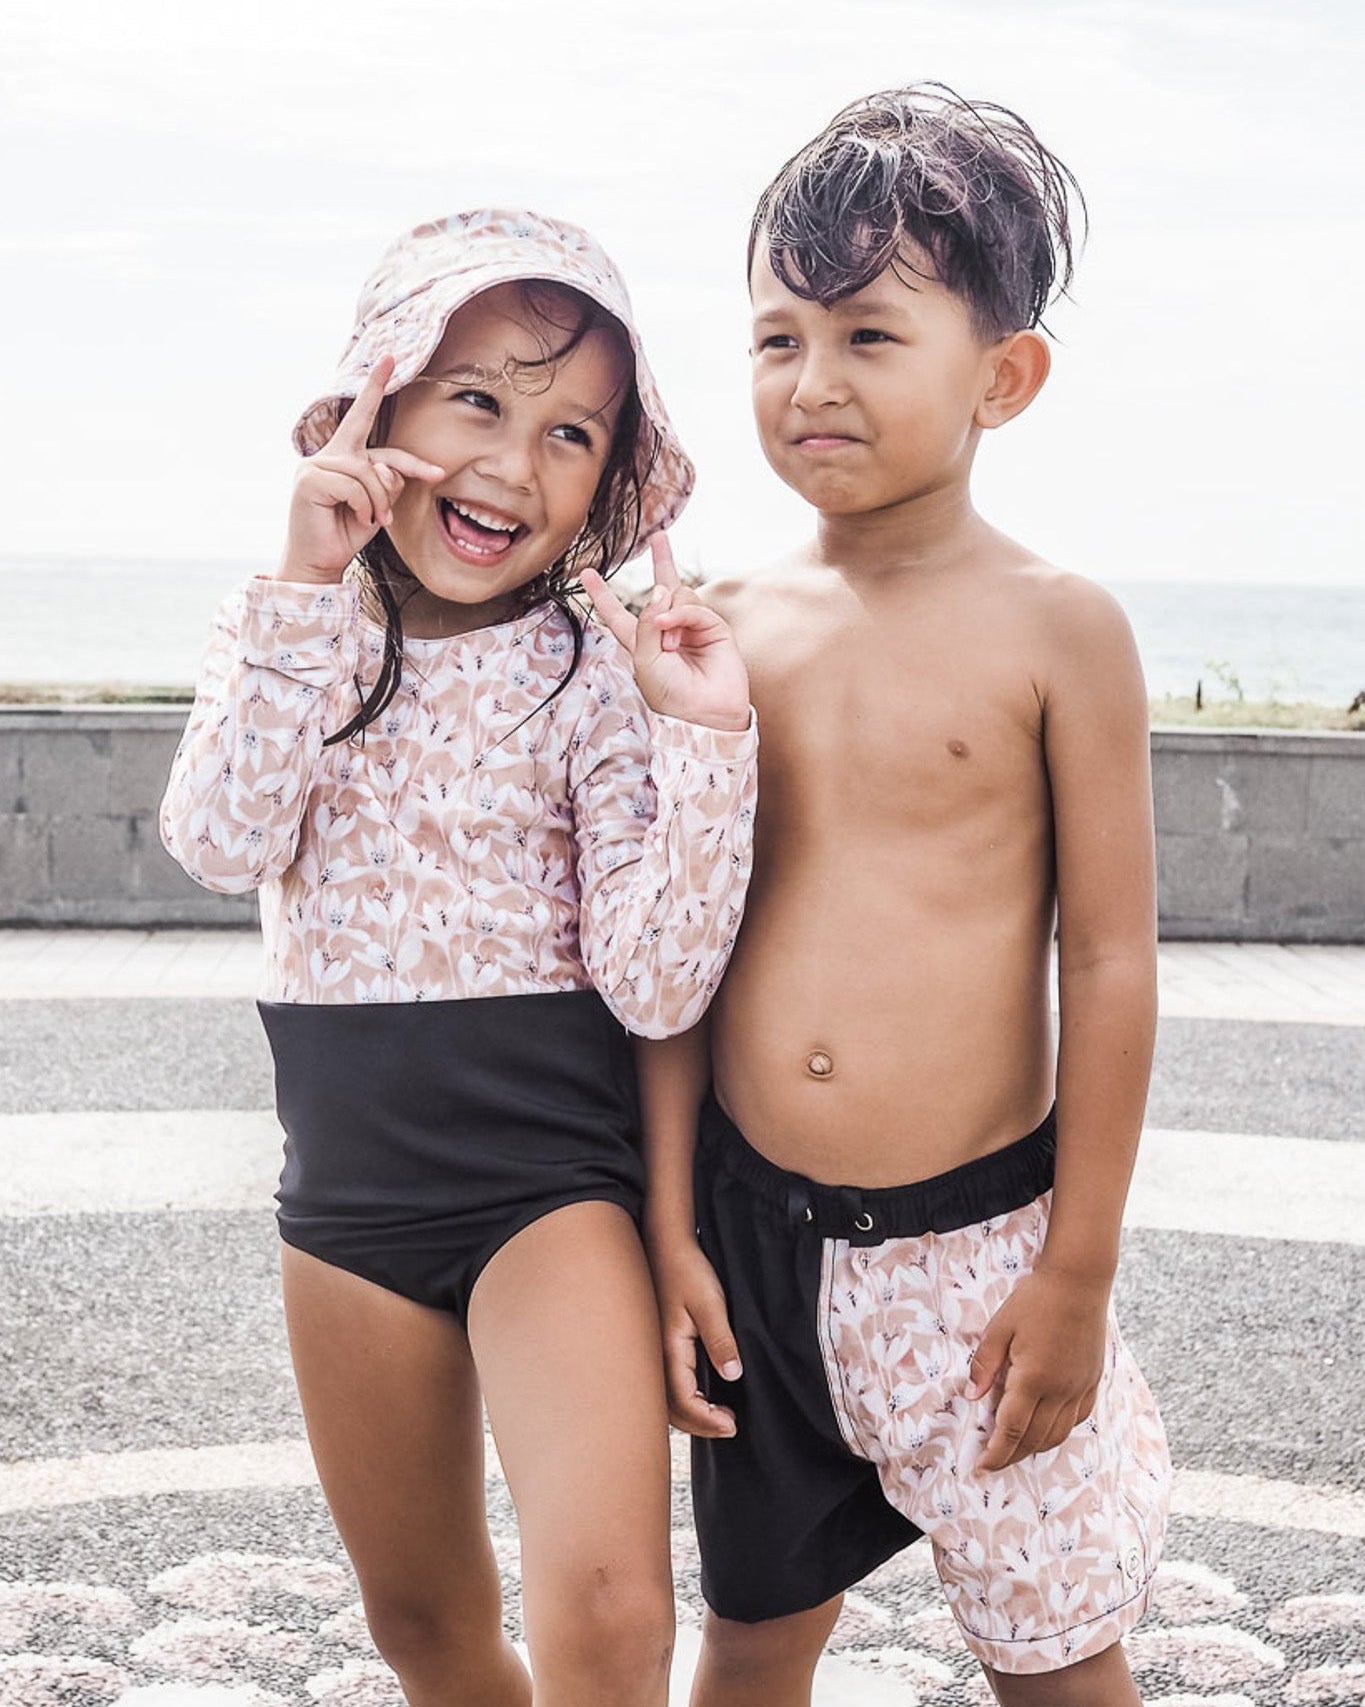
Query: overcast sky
x=194 y=193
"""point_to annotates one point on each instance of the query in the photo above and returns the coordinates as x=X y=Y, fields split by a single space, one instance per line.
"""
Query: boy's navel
x=819 y=1065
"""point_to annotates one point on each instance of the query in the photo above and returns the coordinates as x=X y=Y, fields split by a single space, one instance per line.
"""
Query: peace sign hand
x=345 y=494
x=685 y=657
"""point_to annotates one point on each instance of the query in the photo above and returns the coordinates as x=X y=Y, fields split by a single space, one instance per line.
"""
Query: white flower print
x=606 y=848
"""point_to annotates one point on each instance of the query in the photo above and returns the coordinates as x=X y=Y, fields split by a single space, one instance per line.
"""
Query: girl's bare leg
x=565 y=1335
x=392 y=1404
x=771 y=1664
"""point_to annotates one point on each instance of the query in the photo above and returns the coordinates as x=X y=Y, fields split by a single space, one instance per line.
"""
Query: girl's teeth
x=483 y=519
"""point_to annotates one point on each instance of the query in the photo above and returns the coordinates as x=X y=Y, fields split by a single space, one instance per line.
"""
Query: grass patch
x=91 y=693
x=1253 y=714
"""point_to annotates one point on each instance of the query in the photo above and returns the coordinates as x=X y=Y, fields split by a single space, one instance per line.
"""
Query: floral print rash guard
x=474 y=841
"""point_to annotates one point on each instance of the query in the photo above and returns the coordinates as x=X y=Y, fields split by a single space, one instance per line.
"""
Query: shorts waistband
x=990 y=1185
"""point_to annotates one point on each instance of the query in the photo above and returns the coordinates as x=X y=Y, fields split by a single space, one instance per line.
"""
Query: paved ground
x=161 y=1537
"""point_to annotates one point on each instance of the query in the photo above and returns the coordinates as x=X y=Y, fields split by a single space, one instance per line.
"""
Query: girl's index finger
x=665 y=570
x=354 y=431
x=608 y=609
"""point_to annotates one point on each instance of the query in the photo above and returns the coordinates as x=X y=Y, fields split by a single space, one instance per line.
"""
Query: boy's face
x=871 y=402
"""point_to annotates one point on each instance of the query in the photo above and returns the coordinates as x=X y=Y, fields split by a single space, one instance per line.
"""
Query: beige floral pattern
x=475 y=841
x=1044 y=1563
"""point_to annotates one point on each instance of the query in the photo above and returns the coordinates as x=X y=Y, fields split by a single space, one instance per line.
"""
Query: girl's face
x=523 y=442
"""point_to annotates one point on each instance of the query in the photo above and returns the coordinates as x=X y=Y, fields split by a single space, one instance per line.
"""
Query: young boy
x=955 y=757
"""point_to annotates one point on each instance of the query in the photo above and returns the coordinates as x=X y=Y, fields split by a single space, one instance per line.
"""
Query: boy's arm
x=673 y=1076
x=1049 y=1339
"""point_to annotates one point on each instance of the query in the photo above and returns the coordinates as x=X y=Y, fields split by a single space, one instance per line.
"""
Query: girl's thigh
x=391 y=1399
x=565 y=1334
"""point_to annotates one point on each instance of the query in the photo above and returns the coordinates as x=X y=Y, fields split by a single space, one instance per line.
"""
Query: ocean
x=81 y=622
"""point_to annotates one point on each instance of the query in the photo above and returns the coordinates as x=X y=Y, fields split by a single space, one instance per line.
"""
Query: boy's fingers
x=354 y=431
x=609 y=610
x=665 y=570
x=987 y=1362
x=1012 y=1422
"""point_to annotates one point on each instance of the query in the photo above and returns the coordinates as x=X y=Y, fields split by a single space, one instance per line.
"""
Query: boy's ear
x=1018 y=366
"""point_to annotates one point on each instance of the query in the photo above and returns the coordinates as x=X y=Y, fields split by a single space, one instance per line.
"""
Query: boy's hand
x=686 y=660
x=692 y=1308
x=1044 y=1351
x=345 y=494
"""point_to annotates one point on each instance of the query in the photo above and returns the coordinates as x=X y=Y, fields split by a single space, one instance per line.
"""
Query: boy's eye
x=870 y=335
x=777 y=341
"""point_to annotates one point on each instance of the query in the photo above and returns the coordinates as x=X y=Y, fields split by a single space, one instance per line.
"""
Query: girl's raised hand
x=345 y=493
x=685 y=657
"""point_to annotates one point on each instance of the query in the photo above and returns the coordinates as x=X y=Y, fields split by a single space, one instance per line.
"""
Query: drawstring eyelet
x=863 y=1222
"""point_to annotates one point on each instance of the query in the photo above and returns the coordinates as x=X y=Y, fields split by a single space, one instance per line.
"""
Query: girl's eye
x=575 y=435
x=870 y=335
x=479 y=400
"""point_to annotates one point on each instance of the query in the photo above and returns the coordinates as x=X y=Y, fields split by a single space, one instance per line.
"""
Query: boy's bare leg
x=565 y=1334
x=771 y=1664
x=1104 y=1681
x=393 y=1410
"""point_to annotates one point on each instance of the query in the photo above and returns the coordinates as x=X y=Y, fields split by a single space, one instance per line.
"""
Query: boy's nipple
x=819 y=1065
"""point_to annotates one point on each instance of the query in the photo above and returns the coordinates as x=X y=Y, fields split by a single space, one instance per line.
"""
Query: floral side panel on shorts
x=1049 y=1561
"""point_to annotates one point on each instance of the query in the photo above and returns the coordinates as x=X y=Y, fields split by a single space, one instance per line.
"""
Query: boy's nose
x=819 y=383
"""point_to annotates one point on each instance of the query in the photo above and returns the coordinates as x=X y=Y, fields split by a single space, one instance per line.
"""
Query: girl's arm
x=663 y=817
x=239 y=786
x=673 y=1077
x=281 y=648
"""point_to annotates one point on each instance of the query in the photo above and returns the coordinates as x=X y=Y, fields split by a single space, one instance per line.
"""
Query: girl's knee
x=417 y=1635
x=608 y=1624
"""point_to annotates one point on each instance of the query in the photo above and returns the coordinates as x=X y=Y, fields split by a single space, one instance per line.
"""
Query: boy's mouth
x=478 y=532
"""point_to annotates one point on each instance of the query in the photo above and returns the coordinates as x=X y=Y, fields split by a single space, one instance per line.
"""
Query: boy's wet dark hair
x=965 y=183
x=562 y=317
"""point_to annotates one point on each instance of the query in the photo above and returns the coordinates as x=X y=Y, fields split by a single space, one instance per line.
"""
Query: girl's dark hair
x=967 y=183
x=563 y=317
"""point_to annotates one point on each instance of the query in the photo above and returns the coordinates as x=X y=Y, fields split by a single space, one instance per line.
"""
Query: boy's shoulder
x=788 y=583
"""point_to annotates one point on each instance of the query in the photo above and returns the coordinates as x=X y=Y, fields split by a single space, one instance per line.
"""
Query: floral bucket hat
x=436 y=268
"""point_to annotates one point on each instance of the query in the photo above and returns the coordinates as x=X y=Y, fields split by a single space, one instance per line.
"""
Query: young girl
x=484 y=844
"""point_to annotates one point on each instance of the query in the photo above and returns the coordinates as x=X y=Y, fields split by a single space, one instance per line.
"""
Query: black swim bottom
x=857 y=1313
x=421 y=1136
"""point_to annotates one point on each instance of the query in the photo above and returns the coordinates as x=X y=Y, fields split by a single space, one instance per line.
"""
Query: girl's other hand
x=345 y=494
x=691 y=1309
x=685 y=657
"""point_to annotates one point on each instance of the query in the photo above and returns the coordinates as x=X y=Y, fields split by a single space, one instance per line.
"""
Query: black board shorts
x=856 y=1312
x=421 y=1136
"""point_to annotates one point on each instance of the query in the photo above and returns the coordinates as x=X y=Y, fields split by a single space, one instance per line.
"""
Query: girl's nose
x=510 y=460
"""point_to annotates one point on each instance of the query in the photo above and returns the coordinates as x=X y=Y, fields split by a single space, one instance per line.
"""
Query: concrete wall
x=1259 y=836
x=79 y=792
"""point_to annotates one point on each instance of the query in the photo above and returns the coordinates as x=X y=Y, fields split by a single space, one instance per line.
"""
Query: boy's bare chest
x=920 y=729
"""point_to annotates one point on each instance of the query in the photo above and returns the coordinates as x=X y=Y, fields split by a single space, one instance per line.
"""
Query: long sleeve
x=239 y=785
x=664 y=821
